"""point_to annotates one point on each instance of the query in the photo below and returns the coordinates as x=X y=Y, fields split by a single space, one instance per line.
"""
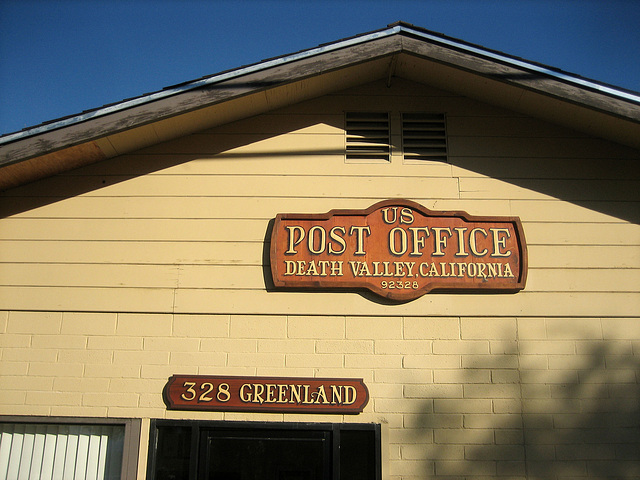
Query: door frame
x=197 y=427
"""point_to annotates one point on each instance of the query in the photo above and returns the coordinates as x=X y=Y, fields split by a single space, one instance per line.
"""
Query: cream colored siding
x=117 y=275
x=182 y=224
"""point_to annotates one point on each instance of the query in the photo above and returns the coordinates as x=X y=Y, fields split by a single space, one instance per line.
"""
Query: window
x=65 y=450
x=265 y=451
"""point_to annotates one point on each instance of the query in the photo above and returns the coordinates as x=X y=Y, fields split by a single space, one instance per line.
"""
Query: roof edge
x=392 y=29
x=192 y=85
x=511 y=60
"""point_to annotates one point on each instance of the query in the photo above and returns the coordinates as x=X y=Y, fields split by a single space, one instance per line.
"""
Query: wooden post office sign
x=266 y=394
x=399 y=250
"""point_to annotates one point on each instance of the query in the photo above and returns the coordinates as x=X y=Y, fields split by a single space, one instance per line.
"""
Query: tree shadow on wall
x=579 y=420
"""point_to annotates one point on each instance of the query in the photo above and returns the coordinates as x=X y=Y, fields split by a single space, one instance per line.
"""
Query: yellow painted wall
x=115 y=276
x=457 y=395
x=180 y=227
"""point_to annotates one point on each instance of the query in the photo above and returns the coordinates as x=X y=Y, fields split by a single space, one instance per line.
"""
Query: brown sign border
x=440 y=286
x=186 y=392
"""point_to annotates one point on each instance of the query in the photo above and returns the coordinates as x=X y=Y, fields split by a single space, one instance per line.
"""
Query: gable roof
x=400 y=50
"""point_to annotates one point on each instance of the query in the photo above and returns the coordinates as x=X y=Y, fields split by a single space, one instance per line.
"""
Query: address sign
x=266 y=394
x=398 y=249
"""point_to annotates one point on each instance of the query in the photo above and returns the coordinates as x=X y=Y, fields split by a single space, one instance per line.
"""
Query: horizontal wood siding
x=181 y=227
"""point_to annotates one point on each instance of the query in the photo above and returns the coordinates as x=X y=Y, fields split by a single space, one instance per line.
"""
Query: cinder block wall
x=459 y=396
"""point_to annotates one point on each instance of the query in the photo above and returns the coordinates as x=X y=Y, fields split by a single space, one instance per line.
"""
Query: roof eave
x=74 y=132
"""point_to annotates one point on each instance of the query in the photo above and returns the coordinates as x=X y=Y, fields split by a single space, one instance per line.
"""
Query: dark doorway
x=182 y=450
x=265 y=455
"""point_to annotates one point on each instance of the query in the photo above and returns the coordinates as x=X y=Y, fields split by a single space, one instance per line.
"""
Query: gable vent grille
x=424 y=136
x=368 y=138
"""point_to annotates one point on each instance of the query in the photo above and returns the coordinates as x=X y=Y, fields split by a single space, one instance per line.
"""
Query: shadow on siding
x=565 y=423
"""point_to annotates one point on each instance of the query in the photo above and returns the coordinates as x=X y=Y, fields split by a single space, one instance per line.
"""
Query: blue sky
x=60 y=57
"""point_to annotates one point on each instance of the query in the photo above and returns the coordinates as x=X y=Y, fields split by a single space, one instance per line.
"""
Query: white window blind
x=51 y=451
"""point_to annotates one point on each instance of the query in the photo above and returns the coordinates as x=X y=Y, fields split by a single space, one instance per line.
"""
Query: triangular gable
x=400 y=50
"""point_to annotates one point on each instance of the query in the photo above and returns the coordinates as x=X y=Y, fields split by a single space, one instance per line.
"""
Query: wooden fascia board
x=187 y=101
x=43 y=143
x=399 y=39
x=49 y=164
x=525 y=78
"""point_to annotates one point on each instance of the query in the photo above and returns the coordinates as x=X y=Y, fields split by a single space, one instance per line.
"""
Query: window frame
x=132 y=435
x=199 y=426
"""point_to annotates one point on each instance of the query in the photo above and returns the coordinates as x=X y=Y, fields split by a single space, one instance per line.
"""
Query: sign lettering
x=265 y=394
x=399 y=250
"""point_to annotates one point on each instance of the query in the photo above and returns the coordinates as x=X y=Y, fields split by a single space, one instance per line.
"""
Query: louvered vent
x=424 y=136
x=367 y=137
